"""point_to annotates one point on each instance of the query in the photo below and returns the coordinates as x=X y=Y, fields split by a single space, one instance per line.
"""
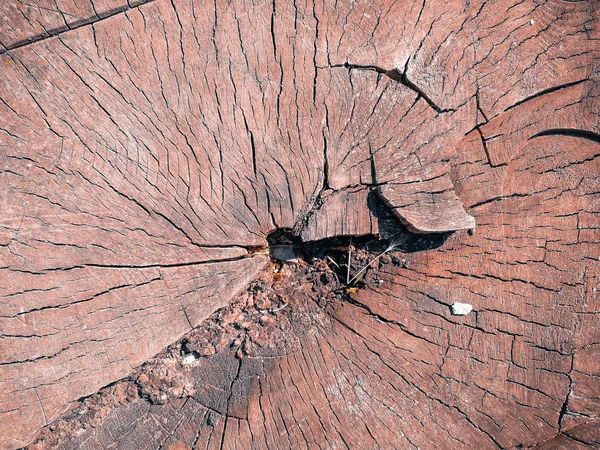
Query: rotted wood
x=151 y=148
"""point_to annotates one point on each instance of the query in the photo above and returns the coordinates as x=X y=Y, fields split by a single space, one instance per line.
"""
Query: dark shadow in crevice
x=283 y=236
x=284 y=245
x=393 y=237
x=392 y=229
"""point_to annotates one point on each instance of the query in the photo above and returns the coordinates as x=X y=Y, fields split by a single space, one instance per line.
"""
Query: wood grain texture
x=149 y=147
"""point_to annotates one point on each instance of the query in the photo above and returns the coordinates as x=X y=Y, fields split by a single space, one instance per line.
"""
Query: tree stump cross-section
x=150 y=148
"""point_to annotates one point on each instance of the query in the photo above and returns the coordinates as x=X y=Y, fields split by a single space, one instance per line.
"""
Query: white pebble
x=531 y=22
x=461 y=309
x=189 y=359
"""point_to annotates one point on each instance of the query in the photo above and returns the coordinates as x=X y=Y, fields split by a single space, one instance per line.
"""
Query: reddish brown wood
x=150 y=147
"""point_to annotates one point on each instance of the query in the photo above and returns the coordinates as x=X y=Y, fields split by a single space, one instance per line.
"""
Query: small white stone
x=531 y=22
x=461 y=309
x=189 y=359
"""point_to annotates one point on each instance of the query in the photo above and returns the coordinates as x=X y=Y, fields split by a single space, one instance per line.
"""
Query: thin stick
x=391 y=247
x=361 y=271
x=280 y=308
x=348 y=266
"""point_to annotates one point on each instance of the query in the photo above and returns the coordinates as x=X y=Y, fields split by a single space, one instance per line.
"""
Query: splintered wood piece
x=427 y=206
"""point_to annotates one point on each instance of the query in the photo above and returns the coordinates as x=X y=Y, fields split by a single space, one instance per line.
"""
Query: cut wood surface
x=149 y=148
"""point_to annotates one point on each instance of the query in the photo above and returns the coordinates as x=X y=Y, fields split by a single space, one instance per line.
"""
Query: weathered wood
x=150 y=147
